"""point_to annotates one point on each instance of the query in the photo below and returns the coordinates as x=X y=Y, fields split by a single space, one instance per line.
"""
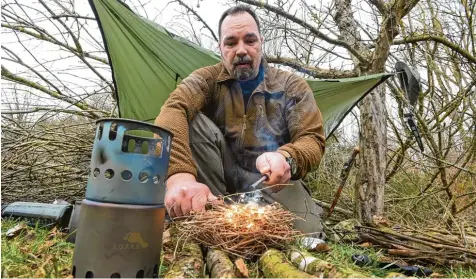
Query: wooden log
x=274 y=265
x=185 y=256
x=219 y=264
x=306 y=262
x=405 y=253
x=188 y=263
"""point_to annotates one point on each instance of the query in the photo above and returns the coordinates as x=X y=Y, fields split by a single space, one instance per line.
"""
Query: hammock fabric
x=148 y=62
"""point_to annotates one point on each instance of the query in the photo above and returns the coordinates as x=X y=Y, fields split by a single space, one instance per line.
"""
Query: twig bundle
x=244 y=230
x=428 y=246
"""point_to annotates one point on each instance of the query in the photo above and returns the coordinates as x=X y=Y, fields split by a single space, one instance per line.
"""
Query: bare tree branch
x=315 y=72
x=10 y=76
x=414 y=38
x=67 y=16
x=199 y=18
x=44 y=38
x=380 y=5
x=316 y=32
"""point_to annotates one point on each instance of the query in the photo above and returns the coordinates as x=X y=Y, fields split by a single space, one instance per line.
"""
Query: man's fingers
x=266 y=169
x=169 y=205
x=276 y=177
x=262 y=164
x=177 y=209
x=198 y=202
x=186 y=206
x=171 y=212
x=287 y=177
x=277 y=172
x=170 y=209
x=218 y=202
x=214 y=200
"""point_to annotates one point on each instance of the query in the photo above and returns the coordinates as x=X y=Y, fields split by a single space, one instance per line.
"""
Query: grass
x=341 y=256
x=42 y=253
x=35 y=252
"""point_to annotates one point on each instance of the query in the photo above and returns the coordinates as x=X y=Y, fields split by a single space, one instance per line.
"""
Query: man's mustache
x=242 y=60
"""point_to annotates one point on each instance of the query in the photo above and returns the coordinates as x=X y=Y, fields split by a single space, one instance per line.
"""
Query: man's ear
x=262 y=39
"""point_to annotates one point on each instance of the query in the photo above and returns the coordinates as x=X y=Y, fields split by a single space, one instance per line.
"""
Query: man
x=238 y=120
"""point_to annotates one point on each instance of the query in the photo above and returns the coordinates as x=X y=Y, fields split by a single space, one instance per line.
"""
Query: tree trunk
x=373 y=161
x=373 y=133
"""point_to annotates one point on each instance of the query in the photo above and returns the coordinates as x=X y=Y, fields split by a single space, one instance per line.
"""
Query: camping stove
x=122 y=217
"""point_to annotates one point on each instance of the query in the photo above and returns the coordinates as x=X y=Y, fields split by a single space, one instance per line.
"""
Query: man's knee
x=297 y=200
x=205 y=144
x=203 y=129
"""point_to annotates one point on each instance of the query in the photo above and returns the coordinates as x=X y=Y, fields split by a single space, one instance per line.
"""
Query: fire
x=246 y=216
x=243 y=229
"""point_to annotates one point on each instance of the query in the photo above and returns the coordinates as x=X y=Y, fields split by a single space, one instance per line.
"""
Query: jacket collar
x=269 y=84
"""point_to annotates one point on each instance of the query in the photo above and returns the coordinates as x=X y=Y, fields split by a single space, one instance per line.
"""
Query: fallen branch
x=422 y=247
x=306 y=262
x=337 y=209
x=185 y=256
x=219 y=265
x=274 y=265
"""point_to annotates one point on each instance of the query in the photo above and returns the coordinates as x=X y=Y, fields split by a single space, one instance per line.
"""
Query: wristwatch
x=290 y=160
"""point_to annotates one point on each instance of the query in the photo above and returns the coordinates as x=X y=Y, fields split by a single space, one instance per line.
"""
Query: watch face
x=292 y=165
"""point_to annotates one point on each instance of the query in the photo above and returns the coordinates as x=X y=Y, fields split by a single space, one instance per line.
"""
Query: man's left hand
x=274 y=165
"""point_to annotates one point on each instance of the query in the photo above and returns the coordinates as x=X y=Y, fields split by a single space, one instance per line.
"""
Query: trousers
x=218 y=169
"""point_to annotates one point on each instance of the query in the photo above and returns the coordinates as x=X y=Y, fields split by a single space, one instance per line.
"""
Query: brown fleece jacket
x=281 y=115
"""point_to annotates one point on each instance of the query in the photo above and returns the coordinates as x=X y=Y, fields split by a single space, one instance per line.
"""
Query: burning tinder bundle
x=244 y=230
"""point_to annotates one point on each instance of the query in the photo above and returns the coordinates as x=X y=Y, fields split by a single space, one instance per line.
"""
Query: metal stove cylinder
x=122 y=218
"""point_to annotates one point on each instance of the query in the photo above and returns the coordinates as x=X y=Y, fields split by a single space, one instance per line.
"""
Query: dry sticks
x=444 y=248
x=244 y=230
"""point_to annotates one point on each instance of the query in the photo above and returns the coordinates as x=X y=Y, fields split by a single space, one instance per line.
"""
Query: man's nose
x=241 y=50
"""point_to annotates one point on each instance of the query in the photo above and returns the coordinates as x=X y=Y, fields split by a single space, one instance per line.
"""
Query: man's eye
x=230 y=43
x=250 y=42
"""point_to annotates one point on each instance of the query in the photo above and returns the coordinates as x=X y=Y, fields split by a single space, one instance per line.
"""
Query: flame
x=245 y=216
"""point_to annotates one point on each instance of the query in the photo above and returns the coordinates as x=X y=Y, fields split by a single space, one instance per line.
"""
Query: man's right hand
x=185 y=194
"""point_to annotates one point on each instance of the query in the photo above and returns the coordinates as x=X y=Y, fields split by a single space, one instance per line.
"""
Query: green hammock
x=148 y=62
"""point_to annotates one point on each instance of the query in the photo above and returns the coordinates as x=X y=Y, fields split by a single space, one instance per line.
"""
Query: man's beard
x=243 y=74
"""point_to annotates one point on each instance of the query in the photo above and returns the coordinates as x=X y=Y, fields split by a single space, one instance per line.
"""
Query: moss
x=274 y=265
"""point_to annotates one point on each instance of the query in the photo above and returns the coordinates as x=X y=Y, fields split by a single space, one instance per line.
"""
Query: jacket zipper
x=243 y=131
x=244 y=122
x=244 y=117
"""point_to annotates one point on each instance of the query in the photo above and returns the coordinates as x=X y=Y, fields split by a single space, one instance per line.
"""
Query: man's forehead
x=240 y=22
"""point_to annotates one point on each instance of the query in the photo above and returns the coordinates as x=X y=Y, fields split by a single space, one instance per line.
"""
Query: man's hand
x=275 y=166
x=185 y=194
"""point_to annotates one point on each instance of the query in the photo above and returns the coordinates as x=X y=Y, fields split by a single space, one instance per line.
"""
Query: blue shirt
x=248 y=86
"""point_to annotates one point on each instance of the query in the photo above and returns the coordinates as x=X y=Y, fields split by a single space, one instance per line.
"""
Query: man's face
x=240 y=46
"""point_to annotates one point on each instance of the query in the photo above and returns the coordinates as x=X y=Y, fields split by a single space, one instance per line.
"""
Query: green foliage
x=35 y=252
x=39 y=252
x=413 y=195
x=341 y=256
